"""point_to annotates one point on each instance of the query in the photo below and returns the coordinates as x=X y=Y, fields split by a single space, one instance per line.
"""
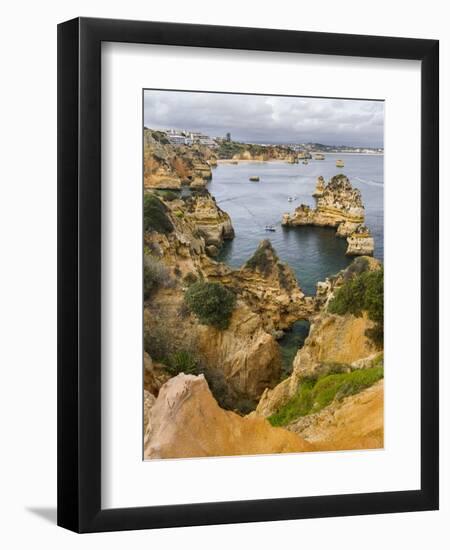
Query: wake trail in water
x=367 y=182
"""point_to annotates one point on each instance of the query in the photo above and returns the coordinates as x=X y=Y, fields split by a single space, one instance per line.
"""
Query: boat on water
x=319 y=156
x=305 y=162
x=254 y=178
x=270 y=228
x=290 y=199
x=339 y=164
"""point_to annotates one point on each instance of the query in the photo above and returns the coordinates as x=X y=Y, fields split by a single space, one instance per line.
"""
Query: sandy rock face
x=354 y=423
x=186 y=421
x=169 y=167
x=320 y=187
x=360 y=242
x=212 y=223
x=338 y=205
x=271 y=289
x=248 y=356
x=333 y=339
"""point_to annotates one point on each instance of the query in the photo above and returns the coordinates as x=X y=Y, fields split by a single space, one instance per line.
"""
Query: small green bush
x=156 y=215
x=182 y=361
x=364 y=292
x=313 y=395
x=212 y=303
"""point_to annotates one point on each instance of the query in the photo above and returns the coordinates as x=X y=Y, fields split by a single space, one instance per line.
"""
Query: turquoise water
x=313 y=252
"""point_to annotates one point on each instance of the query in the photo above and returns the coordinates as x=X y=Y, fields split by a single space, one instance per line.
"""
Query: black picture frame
x=79 y=274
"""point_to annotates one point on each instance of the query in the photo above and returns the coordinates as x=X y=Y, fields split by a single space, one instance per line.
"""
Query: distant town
x=190 y=138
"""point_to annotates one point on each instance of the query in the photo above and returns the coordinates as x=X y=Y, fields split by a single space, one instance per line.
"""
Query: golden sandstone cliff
x=268 y=297
x=200 y=380
x=169 y=167
x=338 y=205
x=186 y=421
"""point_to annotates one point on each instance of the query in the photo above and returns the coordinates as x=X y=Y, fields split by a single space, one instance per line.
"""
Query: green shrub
x=158 y=343
x=155 y=274
x=364 y=292
x=212 y=303
x=156 y=215
x=182 y=361
x=313 y=395
x=227 y=149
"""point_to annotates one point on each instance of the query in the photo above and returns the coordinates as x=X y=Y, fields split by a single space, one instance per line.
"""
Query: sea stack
x=360 y=242
x=320 y=187
x=338 y=205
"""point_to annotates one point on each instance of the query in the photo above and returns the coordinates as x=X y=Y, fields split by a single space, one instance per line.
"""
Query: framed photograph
x=247 y=275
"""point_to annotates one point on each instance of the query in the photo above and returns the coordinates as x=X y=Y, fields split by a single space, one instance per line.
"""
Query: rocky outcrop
x=268 y=298
x=338 y=202
x=338 y=205
x=168 y=166
x=320 y=187
x=269 y=287
x=334 y=341
x=360 y=242
x=211 y=222
x=248 y=356
x=186 y=421
x=325 y=289
x=356 y=422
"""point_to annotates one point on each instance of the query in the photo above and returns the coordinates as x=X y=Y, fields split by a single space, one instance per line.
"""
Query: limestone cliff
x=360 y=242
x=356 y=422
x=333 y=340
x=338 y=205
x=269 y=287
x=268 y=297
x=167 y=166
x=186 y=421
x=211 y=222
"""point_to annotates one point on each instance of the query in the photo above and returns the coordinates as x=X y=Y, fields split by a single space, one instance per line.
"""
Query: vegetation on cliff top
x=212 y=303
x=315 y=394
x=155 y=215
x=364 y=292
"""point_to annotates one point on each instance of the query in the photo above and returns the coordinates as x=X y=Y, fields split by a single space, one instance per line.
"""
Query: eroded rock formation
x=167 y=166
x=356 y=422
x=338 y=205
x=186 y=421
x=211 y=222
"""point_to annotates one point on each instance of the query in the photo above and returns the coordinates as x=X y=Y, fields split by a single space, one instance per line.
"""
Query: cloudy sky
x=268 y=119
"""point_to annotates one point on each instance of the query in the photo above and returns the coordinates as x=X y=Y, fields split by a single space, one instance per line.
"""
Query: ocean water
x=313 y=252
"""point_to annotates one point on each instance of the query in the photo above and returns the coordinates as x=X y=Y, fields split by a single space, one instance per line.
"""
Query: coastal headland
x=213 y=378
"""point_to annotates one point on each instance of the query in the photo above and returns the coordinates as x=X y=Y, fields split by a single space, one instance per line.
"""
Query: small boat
x=270 y=228
x=305 y=162
x=319 y=156
x=339 y=164
x=254 y=178
x=290 y=199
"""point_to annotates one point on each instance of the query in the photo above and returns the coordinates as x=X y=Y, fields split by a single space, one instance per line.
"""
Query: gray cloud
x=268 y=119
